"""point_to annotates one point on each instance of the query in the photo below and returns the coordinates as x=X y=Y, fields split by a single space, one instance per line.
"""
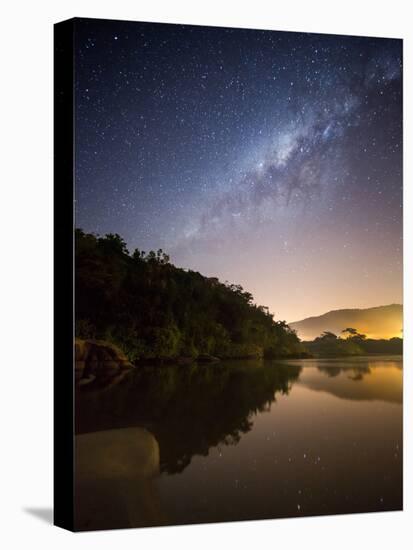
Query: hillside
x=154 y=310
x=376 y=322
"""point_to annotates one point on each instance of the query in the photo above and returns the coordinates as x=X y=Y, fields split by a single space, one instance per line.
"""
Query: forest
x=155 y=311
x=352 y=342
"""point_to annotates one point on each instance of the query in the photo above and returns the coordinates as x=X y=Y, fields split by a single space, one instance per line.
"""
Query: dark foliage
x=330 y=345
x=154 y=310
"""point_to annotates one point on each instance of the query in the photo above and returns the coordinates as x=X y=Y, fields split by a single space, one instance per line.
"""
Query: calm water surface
x=242 y=440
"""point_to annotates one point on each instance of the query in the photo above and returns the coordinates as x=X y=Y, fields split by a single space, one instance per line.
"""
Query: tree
x=326 y=335
x=112 y=242
x=350 y=331
x=353 y=334
x=152 y=309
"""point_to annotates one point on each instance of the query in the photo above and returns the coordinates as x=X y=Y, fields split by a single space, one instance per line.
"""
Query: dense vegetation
x=353 y=343
x=152 y=309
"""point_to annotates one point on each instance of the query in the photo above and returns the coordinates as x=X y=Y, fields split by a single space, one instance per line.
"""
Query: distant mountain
x=375 y=322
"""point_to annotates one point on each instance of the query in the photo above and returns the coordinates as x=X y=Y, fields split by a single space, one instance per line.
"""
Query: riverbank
x=210 y=359
x=99 y=362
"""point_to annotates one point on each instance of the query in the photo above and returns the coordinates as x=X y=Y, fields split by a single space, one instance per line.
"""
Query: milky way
x=269 y=159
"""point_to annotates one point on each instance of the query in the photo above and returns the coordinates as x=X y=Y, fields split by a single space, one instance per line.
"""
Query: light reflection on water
x=249 y=440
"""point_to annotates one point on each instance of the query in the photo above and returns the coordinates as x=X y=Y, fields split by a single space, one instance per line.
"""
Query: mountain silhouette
x=375 y=322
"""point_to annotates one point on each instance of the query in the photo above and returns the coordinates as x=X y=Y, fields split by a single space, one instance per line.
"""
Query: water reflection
x=188 y=408
x=246 y=440
x=382 y=378
x=114 y=485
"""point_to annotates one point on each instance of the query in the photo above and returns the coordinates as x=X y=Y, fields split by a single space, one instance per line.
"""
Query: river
x=240 y=440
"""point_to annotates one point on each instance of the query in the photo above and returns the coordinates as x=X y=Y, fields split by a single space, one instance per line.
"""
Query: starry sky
x=268 y=159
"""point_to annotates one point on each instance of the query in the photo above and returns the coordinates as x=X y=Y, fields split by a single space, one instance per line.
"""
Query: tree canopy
x=152 y=309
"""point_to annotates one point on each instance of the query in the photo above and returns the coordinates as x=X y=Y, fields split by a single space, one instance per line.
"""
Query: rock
x=92 y=362
x=79 y=368
x=78 y=350
x=98 y=361
x=110 y=365
x=87 y=380
x=114 y=472
x=117 y=454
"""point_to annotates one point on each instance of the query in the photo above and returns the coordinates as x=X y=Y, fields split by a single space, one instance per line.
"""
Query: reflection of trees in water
x=354 y=373
x=189 y=409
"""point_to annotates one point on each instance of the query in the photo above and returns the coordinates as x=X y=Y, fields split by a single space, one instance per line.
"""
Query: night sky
x=268 y=159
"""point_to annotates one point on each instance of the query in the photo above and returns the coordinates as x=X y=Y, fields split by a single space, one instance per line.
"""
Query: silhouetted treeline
x=393 y=346
x=152 y=309
x=329 y=344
